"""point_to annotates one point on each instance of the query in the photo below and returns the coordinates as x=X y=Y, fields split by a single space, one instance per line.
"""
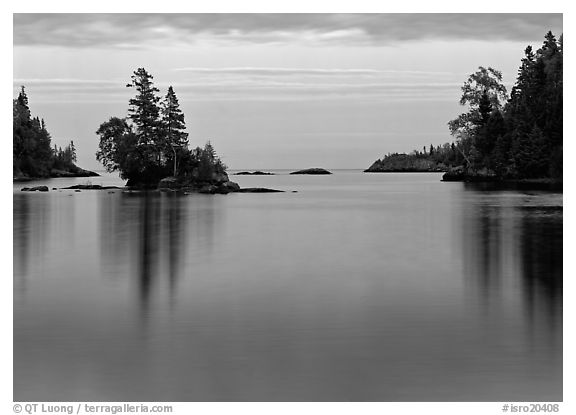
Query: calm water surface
x=362 y=287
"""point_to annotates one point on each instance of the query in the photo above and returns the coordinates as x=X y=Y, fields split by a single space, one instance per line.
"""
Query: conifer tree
x=144 y=111
x=173 y=125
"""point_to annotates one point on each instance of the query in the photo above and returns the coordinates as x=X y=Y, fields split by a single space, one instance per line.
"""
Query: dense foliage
x=522 y=138
x=438 y=158
x=151 y=143
x=32 y=153
x=516 y=137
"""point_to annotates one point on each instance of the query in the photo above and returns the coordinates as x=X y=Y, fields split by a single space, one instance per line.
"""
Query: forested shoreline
x=33 y=156
x=501 y=137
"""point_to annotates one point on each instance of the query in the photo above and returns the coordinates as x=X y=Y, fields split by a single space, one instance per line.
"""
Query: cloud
x=141 y=30
x=264 y=71
x=272 y=84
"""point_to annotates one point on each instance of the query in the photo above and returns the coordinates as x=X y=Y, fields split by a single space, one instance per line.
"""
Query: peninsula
x=503 y=137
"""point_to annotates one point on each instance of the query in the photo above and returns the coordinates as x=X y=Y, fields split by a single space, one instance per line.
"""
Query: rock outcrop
x=35 y=189
x=90 y=187
x=314 y=170
x=254 y=173
x=405 y=163
x=463 y=174
x=258 y=190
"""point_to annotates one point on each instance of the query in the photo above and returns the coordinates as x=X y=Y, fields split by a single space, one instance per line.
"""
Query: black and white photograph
x=288 y=207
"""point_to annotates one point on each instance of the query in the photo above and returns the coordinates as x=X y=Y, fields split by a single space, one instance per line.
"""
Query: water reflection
x=31 y=230
x=154 y=238
x=541 y=247
x=176 y=241
x=326 y=295
x=512 y=249
x=21 y=242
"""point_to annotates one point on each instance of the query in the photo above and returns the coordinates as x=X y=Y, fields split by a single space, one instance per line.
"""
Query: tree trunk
x=174 y=150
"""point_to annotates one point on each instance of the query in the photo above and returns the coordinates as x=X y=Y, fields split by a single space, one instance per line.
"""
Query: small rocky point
x=219 y=184
x=35 y=189
x=314 y=170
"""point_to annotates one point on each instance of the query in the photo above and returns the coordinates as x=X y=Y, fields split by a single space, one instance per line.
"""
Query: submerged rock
x=314 y=170
x=90 y=187
x=258 y=190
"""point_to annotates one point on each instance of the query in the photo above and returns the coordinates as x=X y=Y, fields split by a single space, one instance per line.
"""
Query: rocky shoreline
x=54 y=174
x=405 y=163
x=220 y=184
x=490 y=180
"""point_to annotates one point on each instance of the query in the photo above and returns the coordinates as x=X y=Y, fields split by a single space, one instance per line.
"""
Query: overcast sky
x=271 y=90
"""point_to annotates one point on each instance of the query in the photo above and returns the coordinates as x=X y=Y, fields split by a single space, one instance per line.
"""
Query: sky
x=270 y=91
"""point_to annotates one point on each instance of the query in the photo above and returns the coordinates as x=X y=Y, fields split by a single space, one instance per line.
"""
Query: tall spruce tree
x=144 y=111
x=173 y=125
x=151 y=143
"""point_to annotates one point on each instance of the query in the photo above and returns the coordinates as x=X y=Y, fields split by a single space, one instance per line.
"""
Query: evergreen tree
x=31 y=147
x=72 y=152
x=522 y=139
x=173 y=126
x=531 y=154
x=144 y=111
x=152 y=144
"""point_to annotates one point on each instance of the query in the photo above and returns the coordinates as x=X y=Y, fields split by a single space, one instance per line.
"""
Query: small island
x=33 y=154
x=150 y=147
x=314 y=170
x=254 y=173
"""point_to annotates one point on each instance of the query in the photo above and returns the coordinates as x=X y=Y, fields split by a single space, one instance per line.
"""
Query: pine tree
x=72 y=152
x=173 y=126
x=144 y=111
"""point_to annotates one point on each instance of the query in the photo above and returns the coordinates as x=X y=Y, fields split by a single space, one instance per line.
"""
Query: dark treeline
x=500 y=136
x=64 y=158
x=438 y=158
x=151 y=144
x=521 y=139
x=33 y=155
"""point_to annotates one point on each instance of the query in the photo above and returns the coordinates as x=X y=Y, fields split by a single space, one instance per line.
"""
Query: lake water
x=361 y=287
